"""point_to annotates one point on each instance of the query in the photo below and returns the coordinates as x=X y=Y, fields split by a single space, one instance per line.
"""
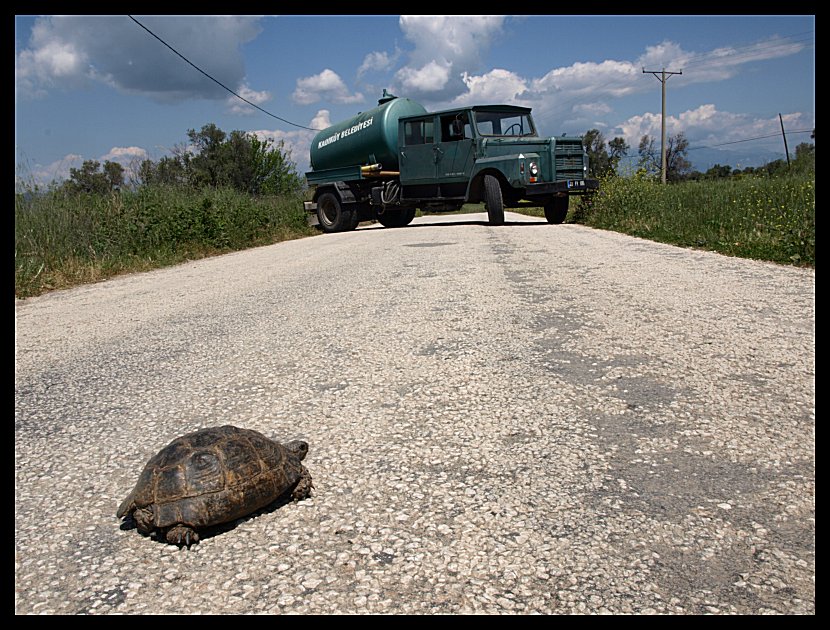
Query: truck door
x=417 y=156
x=454 y=154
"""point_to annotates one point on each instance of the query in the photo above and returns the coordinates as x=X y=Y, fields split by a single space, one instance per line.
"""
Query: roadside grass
x=763 y=218
x=62 y=240
x=66 y=239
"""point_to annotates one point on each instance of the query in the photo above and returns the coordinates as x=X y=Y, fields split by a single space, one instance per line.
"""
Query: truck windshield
x=504 y=124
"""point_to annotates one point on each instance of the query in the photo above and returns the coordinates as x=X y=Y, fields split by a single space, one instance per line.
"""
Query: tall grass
x=766 y=218
x=64 y=239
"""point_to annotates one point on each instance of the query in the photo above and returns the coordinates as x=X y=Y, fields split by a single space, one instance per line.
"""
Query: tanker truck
x=385 y=163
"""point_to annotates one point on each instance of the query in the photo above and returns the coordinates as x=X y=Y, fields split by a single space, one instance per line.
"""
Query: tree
x=90 y=179
x=617 y=149
x=598 y=161
x=274 y=172
x=805 y=157
x=206 y=165
x=676 y=163
x=602 y=162
x=718 y=172
x=168 y=170
x=239 y=160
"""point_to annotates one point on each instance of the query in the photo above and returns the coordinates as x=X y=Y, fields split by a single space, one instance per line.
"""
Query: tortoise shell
x=213 y=476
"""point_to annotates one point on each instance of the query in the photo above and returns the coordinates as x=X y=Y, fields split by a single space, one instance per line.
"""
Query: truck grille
x=568 y=159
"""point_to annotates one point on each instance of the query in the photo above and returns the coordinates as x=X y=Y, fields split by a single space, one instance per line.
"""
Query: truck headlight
x=534 y=170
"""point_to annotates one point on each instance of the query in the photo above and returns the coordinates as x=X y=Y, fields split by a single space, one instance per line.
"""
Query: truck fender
x=340 y=189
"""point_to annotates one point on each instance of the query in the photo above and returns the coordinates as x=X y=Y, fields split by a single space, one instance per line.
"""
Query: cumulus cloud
x=377 y=61
x=327 y=85
x=73 y=50
x=496 y=86
x=236 y=106
x=572 y=97
x=59 y=170
x=431 y=77
x=124 y=155
x=446 y=47
x=706 y=125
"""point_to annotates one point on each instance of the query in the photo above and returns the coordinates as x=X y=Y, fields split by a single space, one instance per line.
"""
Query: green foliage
x=602 y=162
x=90 y=179
x=238 y=160
x=753 y=217
x=64 y=238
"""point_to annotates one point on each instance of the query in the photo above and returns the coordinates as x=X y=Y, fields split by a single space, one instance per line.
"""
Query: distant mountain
x=704 y=159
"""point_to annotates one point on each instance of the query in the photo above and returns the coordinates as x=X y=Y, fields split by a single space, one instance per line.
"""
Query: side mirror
x=458 y=127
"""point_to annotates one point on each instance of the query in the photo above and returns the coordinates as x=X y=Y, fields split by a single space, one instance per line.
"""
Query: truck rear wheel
x=331 y=214
x=398 y=217
x=556 y=209
x=493 y=200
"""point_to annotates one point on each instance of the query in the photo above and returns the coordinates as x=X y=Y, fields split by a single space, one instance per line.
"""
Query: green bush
x=768 y=218
x=62 y=238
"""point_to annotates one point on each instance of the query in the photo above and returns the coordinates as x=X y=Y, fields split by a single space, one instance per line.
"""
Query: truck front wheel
x=493 y=200
x=556 y=209
x=331 y=214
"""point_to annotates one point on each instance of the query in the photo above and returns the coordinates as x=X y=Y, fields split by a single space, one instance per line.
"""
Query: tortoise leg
x=144 y=520
x=303 y=488
x=182 y=535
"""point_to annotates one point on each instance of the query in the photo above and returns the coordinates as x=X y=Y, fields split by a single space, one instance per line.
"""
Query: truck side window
x=454 y=128
x=417 y=132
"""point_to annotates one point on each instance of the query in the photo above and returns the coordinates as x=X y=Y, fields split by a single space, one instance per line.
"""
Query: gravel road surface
x=523 y=419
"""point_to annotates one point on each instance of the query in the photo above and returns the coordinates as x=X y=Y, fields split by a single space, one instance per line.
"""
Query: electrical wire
x=772 y=135
x=219 y=82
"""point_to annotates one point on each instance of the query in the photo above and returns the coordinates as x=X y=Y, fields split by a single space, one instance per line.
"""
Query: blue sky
x=100 y=87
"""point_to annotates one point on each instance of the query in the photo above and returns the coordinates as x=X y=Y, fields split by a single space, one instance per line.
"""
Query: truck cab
x=438 y=161
x=447 y=157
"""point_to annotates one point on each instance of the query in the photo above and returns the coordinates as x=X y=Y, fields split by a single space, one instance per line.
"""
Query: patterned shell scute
x=215 y=475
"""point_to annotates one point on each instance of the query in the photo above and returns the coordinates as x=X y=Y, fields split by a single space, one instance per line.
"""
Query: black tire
x=331 y=215
x=396 y=218
x=556 y=209
x=493 y=200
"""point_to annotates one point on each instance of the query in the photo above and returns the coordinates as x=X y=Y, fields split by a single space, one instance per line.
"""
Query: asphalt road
x=523 y=419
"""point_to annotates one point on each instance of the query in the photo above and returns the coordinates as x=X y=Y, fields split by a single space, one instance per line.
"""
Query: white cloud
x=717 y=64
x=573 y=97
x=327 y=85
x=705 y=125
x=446 y=47
x=611 y=78
x=377 y=61
x=237 y=106
x=124 y=155
x=73 y=50
x=57 y=170
x=432 y=77
x=496 y=86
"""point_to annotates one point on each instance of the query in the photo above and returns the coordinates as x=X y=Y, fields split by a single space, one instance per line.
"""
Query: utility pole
x=786 y=150
x=662 y=78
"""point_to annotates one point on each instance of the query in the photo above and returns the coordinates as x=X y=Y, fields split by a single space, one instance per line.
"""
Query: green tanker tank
x=369 y=138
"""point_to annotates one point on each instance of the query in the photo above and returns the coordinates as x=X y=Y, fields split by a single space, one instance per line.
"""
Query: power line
x=216 y=81
x=772 y=135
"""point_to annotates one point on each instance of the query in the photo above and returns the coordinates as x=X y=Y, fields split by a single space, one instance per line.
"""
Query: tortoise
x=213 y=476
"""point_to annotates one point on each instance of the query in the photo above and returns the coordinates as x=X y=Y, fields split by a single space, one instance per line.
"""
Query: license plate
x=576 y=183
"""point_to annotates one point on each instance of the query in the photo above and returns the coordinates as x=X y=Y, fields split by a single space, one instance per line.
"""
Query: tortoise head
x=297 y=448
